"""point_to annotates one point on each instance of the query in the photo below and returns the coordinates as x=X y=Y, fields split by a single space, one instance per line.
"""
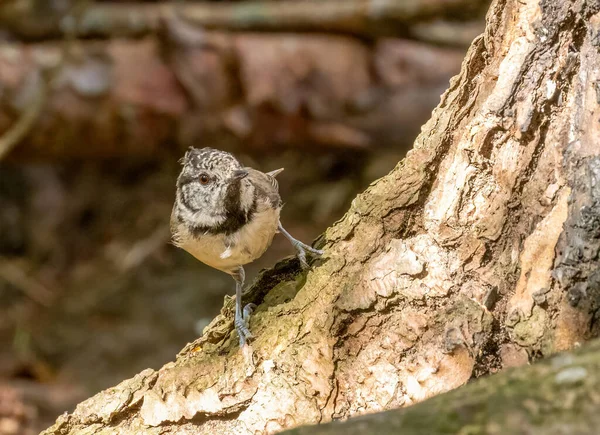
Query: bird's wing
x=266 y=185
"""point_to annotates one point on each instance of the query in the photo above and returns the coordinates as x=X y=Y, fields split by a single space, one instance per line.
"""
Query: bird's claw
x=241 y=326
x=302 y=258
x=313 y=250
x=302 y=248
x=248 y=309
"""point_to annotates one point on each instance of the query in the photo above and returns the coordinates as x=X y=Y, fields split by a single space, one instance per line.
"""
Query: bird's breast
x=227 y=252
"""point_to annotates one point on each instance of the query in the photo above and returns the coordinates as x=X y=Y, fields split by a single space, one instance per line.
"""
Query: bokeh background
x=98 y=101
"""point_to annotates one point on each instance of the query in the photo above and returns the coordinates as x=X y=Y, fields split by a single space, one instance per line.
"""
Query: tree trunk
x=479 y=251
x=558 y=396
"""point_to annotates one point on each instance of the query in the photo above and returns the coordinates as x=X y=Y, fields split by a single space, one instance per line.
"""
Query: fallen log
x=42 y=20
x=261 y=91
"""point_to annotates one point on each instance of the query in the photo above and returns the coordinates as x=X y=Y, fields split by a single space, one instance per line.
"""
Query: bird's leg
x=300 y=247
x=241 y=316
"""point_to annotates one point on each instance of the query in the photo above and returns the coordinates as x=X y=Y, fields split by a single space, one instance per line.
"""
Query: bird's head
x=211 y=186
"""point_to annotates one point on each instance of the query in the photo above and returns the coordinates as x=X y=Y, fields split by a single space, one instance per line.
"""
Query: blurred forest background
x=98 y=101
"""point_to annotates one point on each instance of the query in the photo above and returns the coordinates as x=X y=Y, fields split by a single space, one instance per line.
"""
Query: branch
x=23 y=125
x=31 y=21
x=359 y=17
x=447 y=33
x=44 y=79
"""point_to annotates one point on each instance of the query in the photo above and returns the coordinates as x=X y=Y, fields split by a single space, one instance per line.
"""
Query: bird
x=226 y=216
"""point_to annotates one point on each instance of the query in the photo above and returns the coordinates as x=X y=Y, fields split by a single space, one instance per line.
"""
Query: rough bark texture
x=558 y=396
x=478 y=251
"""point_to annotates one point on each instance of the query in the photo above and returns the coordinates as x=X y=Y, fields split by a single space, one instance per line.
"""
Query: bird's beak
x=238 y=175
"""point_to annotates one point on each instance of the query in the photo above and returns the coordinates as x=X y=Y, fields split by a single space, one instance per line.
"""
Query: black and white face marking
x=213 y=193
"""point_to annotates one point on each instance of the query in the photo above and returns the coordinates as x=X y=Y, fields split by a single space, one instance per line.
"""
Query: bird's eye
x=204 y=179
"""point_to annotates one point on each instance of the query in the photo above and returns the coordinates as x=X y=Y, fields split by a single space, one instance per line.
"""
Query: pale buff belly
x=227 y=253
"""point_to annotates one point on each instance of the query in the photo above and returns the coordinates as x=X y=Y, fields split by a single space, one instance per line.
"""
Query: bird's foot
x=248 y=309
x=302 y=249
x=242 y=324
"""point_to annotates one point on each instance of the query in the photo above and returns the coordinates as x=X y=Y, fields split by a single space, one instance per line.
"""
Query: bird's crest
x=275 y=172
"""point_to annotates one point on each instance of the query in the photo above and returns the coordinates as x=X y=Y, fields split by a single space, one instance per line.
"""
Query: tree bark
x=479 y=251
x=558 y=396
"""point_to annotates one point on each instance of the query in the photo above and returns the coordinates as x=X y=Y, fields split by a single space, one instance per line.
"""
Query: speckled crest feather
x=210 y=159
